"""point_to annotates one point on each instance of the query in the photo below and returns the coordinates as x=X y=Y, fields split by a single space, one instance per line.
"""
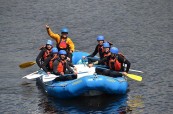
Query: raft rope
x=95 y=76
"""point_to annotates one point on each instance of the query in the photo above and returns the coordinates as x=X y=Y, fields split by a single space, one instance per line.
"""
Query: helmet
x=100 y=38
x=106 y=45
x=54 y=50
x=64 y=29
x=114 y=50
x=62 y=52
x=49 y=42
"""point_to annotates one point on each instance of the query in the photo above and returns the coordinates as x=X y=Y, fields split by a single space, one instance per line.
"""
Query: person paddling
x=61 y=67
x=63 y=41
x=115 y=63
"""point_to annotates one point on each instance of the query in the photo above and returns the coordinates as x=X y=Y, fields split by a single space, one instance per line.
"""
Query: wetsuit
x=63 y=66
x=112 y=71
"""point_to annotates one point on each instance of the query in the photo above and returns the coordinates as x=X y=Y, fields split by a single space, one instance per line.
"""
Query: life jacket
x=62 y=45
x=100 y=51
x=46 y=54
x=106 y=55
x=51 y=62
x=61 y=66
x=116 y=64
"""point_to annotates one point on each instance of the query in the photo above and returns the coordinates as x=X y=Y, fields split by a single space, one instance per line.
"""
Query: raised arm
x=52 y=34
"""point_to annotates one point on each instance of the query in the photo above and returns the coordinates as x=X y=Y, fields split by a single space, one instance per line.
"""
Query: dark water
x=141 y=29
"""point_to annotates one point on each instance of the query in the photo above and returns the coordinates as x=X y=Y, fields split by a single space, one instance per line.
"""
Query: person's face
x=62 y=56
x=106 y=49
x=100 y=42
x=48 y=46
x=64 y=34
x=55 y=54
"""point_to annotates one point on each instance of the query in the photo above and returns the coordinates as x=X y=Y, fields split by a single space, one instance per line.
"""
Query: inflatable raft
x=88 y=82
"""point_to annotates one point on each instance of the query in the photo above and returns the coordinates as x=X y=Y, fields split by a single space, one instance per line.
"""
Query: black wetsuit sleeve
x=125 y=61
x=46 y=62
x=55 y=64
x=94 y=53
x=105 y=59
x=39 y=57
x=71 y=64
x=69 y=68
x=116 y=74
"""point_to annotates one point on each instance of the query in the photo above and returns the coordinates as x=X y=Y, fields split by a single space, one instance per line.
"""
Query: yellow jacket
x=56 y=37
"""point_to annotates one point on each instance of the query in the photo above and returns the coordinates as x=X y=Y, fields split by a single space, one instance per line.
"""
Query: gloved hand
x=83 y=57
x=62 y=73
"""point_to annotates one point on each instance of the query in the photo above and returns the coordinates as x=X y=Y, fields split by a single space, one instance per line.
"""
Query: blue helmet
x=106 y=45
x=100 y=38
x=54 y=50
x=114 y=50
x=62 y=52
x=49 y=42
x=64 y=29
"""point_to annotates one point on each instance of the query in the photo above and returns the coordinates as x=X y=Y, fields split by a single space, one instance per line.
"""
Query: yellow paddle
x=27 y=64
x=135 y=77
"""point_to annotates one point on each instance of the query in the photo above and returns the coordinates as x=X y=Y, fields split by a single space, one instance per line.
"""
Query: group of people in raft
x=58 y=60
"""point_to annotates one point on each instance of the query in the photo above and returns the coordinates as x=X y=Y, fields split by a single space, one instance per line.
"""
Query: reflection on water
x=96 y=104
x=86 y=104
x=135 y=104
x=122 y=104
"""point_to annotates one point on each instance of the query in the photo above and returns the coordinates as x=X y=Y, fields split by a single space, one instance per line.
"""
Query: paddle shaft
x=104 y=66
x=132 y=76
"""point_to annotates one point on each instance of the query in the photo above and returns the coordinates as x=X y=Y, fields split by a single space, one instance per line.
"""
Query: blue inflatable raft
x=88 y=84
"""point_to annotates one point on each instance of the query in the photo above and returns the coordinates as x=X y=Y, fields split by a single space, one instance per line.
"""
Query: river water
x=141 y=29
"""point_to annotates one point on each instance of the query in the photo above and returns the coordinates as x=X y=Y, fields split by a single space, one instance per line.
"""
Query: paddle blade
x=27 y=64
x=34 y=76
x=135 y=77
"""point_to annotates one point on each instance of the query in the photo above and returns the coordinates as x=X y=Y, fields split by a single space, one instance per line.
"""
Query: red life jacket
x=51 y=65
x=46 y=54
x=61 y=66
x=62 y=45
x=51 y=62
x=106 y=55
x=117 y=64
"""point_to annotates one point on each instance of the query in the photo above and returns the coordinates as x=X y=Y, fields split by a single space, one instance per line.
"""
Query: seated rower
x=62 y=67
x=98 y=49
x=44 y=53
x=47 y=66
x=115 y=63
x=46 y=56
x=106 y=53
